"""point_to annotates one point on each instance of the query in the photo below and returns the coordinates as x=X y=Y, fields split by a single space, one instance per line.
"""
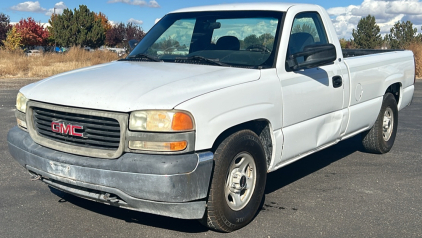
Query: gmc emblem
x=62 y=128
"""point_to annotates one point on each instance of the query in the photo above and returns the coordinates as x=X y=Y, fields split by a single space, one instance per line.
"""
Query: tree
x=90 y=32
x=51 y=40
x=267 y=40
x=78 y=27
x=251 y=40
x=63 y=28
x=347 y=44
x=116 y=34
x=104 y=21
x=401 y=35
x=134 y=32
x=367 y=35
x=13 y=40
x=121 y=34
x=32 y=33
x=4 y=27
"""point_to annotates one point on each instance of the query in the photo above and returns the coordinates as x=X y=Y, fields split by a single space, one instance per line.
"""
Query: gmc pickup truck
x=211 y=100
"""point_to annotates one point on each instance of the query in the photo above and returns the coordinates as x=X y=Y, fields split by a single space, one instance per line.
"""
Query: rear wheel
x=238 y=182
x=380 y=139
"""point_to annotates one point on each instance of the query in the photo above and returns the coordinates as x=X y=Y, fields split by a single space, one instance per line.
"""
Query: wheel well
x=260 y=127
x=395 y=90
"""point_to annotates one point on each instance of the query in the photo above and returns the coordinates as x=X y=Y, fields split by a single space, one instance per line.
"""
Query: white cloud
x=134 y=21
x=153 y=3
x=338 y=10
x=386 y=13
x=28 y=7
x=60 y=6
x=36 y=7
x=141 y=3
x=410 y=8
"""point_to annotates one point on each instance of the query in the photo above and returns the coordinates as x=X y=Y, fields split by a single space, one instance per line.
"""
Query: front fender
x=220 y=110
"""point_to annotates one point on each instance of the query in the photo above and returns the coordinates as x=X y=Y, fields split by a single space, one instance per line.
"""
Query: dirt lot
x=16 y=84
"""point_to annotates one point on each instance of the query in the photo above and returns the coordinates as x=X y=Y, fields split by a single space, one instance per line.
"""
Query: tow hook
x=110 y=199
x=35 y=177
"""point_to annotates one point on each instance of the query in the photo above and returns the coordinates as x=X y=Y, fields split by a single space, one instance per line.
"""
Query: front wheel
x=238 y=182
x=380 y=139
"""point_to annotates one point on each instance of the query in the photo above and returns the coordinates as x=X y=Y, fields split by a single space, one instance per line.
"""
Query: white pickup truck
x=211 y=100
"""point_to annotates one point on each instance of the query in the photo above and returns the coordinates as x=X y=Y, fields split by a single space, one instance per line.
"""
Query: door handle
x=337 y=81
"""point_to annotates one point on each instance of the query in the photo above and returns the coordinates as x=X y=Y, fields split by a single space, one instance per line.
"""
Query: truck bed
x=359 y=52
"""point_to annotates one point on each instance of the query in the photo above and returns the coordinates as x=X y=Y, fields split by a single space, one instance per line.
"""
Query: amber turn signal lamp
x=181 y=122
x=158 y=146
x=178 y=146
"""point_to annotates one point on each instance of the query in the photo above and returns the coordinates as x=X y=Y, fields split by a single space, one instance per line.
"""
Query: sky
x=345 y=14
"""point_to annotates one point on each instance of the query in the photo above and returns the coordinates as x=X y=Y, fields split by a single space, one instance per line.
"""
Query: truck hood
x=126 y=86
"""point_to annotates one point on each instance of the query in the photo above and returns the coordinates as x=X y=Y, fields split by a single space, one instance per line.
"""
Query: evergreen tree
x=401 y=35
x=78 y=27
x=63 y=28
x=4 y=27
x=367 y=35
x=51 y=29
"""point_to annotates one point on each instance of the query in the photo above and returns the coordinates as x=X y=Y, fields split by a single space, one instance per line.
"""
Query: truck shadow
x=143 y=219
x=275 y=180
x=312 y=163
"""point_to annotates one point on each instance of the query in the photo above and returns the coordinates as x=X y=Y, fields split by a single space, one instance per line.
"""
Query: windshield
x=228 y=38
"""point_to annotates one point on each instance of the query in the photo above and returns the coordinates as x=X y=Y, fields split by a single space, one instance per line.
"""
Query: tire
x=237 y=188
x=380 y=139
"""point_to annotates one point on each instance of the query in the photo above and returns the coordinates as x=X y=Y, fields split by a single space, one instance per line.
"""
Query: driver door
x=312 y=106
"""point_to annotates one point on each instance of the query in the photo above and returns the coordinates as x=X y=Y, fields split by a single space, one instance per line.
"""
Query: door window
x=307 y=30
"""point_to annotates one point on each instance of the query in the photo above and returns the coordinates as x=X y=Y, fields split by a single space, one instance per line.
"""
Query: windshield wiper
x=144 y=56
x=202 y=58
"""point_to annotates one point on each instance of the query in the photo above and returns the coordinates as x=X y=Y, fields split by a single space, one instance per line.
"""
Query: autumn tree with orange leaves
x=32 y=33
x=104 y=21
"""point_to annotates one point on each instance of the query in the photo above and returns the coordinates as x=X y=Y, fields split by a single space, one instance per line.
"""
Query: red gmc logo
x=62 y=128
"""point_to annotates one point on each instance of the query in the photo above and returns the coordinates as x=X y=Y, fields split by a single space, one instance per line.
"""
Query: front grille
x=98 y=132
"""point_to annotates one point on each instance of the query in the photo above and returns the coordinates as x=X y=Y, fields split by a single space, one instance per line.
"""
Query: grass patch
x=417 y=51
x=15 y=64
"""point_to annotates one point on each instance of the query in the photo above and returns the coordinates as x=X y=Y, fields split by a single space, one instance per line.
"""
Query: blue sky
x=345 y=14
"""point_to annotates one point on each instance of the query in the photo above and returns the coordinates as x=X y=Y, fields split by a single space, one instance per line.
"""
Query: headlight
x=161 y=121
x=21 y=101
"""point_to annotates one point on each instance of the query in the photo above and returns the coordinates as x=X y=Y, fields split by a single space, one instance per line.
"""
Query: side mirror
x=211 y=25
x=312 y=56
